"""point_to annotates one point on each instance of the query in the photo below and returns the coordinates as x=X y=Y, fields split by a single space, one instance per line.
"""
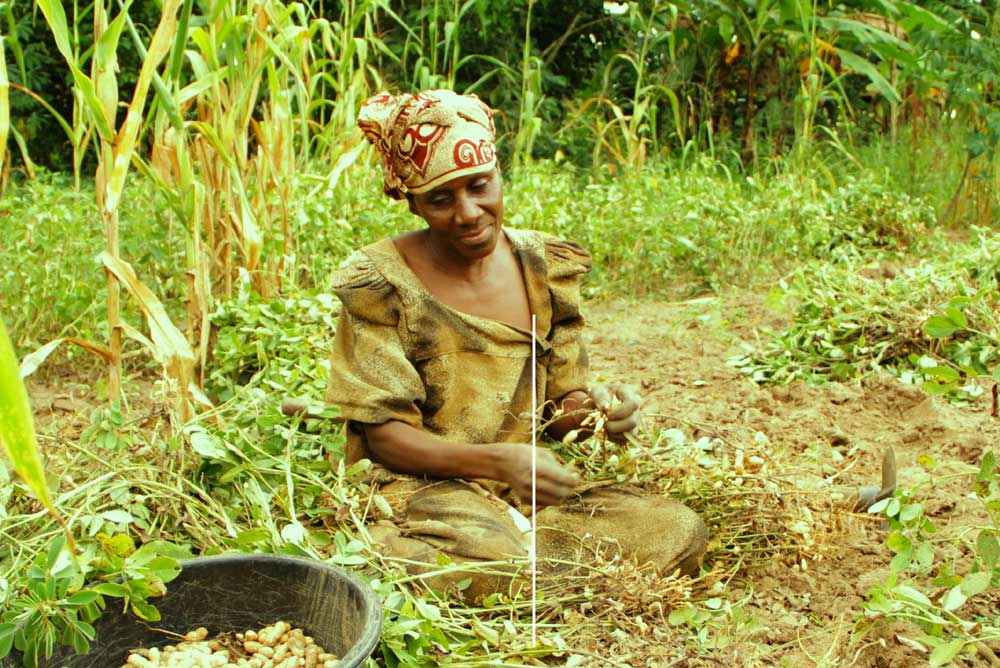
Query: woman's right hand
x=555 y=480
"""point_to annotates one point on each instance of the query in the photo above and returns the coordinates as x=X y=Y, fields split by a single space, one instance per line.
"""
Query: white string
x=534 y=471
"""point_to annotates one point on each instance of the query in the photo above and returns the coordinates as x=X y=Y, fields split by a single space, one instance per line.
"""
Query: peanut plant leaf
x=17 y=430
x=957 y=316
x=976 y=583
x=943 y=654
x=988 y=548
x=954 y=599
x=940 y=327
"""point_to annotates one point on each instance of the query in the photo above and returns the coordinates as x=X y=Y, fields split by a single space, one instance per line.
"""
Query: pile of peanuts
x=274 y=646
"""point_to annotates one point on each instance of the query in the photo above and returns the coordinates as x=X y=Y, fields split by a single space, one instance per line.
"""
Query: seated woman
x=432 y=365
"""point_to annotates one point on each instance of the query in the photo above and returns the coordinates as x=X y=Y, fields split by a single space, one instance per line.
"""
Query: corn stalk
x=4 y=114
x=623 y=136
x=116 y=151
x=529 y=123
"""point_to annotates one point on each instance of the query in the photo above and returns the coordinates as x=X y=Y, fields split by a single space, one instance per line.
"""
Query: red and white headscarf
x=429 y=138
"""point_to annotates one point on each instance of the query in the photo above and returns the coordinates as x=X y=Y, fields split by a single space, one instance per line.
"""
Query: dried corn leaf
x=31 y=361
x=167 y=344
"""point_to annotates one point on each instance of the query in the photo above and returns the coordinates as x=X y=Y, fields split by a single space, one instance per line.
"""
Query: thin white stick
x=534 y=480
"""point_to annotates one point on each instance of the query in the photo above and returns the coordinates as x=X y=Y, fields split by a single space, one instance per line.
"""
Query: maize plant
x=116 y=150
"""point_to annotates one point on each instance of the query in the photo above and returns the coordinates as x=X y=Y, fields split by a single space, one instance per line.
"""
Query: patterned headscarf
x=428 y=138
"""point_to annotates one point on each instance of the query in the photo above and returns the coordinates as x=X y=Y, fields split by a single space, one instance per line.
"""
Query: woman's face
x=463 y=215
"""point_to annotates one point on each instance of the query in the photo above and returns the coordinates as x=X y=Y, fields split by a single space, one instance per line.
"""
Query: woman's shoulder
x=563 y=257
x=363 y=281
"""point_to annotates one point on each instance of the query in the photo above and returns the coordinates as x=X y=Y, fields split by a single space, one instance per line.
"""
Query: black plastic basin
x=240 y=592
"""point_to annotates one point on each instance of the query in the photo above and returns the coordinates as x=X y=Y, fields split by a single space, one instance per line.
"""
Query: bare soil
x=804 y=604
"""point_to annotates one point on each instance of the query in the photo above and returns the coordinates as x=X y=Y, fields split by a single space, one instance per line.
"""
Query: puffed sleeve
x=567 y=368
x=371 y=380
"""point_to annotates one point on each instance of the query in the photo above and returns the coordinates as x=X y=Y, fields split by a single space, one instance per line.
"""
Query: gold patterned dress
x=401 y=354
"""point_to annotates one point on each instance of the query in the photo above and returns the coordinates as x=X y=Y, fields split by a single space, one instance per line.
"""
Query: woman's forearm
x=528 y=471
x=406 y=449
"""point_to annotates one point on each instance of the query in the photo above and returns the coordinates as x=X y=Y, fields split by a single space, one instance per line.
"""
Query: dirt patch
x=832 y=437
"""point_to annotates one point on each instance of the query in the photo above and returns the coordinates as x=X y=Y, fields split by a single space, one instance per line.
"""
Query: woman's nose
x=466 y=209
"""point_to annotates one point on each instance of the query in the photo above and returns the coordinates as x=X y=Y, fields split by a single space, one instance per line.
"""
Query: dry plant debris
x=275 y=646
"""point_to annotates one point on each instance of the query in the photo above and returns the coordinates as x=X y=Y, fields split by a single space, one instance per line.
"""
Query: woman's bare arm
x=406 y=449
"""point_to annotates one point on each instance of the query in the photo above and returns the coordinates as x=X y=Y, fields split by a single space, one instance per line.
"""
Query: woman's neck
x=469 y=270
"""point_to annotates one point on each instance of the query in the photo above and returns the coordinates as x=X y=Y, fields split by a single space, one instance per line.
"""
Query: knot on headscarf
x=429 y=138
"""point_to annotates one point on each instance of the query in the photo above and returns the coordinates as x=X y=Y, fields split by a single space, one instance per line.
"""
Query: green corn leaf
x=106 y=49
x=127 y=137
x=56 y=18
x=4 y=102
x=17 y=431
x=180 y=41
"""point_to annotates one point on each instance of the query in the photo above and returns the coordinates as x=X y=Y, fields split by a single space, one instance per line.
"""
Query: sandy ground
x=836 y=433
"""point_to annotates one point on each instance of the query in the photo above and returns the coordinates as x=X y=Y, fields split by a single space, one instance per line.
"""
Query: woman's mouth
x=475 y=237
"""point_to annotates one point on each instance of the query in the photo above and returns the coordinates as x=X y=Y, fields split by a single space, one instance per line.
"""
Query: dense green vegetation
x=839 y=158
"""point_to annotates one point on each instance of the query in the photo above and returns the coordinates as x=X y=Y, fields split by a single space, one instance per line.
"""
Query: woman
x=433 y=363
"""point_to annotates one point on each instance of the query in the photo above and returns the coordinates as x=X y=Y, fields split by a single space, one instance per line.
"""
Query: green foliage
x=701 y=229
x=755 y=78
x=917 y=563
x=853 y=318
x=51 y=282
x=55 y=606
x=51 y=610
x=278 y=343
x=39 y=70
x=106 y=428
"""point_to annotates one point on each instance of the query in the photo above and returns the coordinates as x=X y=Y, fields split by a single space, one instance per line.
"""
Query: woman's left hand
x=620 y=405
